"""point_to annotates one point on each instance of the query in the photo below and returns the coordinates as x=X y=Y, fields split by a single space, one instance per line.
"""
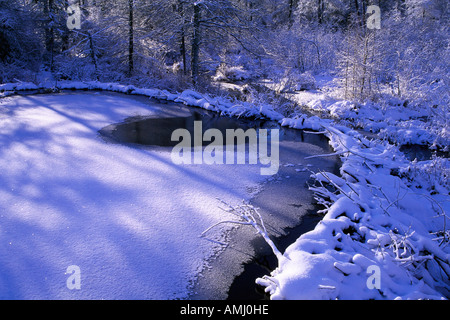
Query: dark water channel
x=421 y=152
x=264 y=262
x=157 y=131
x=285 y=203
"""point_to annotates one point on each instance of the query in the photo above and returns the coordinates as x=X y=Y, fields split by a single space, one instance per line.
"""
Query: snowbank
x=296 y=82
x=373 y=221
x=187 y=97
x=18 y=86
x=396 y=121
x=231 y=73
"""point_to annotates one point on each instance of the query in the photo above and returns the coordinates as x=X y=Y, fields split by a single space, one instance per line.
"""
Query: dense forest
x=398 y=47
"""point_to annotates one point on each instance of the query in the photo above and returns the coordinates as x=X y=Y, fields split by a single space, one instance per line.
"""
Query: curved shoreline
x=214 y=282
x=285 y=203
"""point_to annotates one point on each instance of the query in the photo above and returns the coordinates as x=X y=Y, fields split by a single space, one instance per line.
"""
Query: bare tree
x=130 y=37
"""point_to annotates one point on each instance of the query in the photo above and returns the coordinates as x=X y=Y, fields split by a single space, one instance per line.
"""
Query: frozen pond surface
x=125 y=214
x=283 y=199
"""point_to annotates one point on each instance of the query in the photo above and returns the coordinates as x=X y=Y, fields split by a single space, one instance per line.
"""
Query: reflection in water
x=154 y=131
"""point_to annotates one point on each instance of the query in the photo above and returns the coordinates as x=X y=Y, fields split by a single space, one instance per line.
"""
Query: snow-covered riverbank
x=384 y=234
x=384 y=212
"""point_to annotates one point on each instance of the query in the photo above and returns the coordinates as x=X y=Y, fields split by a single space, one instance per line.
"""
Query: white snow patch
x=128 y=217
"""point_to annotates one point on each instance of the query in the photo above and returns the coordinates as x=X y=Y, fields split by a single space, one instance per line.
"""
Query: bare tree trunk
x=365 y=56
x=93 y=55
x=183 y=51
x=183 y=36
x=292 y=7
x=195 y=56
x=49 y=33
x=357 y=7
x=130 y=38
x=320 y=10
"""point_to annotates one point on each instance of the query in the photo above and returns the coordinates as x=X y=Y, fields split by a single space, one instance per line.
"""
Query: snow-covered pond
x=126 y=215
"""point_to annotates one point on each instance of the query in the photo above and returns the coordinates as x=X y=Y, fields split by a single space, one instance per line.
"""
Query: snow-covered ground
x=384 y=234
x=393 y=119
x=127 y=217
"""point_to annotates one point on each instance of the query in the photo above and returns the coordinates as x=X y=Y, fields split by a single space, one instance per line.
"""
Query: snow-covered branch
x=248 y=215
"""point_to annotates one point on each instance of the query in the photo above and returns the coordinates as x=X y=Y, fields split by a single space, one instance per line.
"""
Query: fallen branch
x=247 y=215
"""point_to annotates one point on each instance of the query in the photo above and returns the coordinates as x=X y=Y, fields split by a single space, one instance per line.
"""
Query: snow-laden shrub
x=373 y=221
x=295 y=81
x=231 y=73
x=431 y=175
